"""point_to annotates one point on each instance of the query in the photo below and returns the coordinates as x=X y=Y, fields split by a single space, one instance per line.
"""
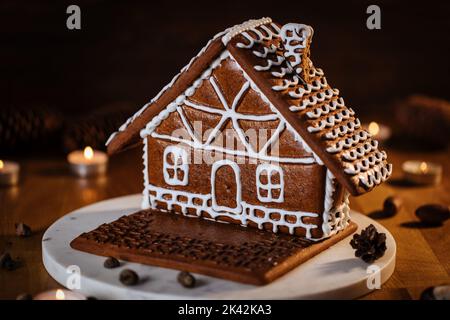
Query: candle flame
x=1 y=164
x=60 y=295
x=88 y=153
x=374 y=128
x=423 y=167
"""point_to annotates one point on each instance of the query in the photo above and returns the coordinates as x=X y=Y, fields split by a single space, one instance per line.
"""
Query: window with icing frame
x=175 y=166
x=270 y=183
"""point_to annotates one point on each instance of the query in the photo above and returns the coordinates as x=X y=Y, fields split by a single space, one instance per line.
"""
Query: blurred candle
x=379 y=131
x=59 y=294
x=421 y=172
x=88 y=162
x=9 y=173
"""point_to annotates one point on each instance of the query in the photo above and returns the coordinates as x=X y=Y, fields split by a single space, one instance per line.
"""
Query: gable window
x=175 y=166
x=269 y=183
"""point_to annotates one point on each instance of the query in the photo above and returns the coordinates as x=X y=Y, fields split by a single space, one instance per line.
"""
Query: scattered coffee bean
x=129 y=277
x=186 y=279
x=433 y=214
x=7 y=263
x=111 y=263
x=24 y=296
x=436 y=293
x=392 y=205
x=22 y=230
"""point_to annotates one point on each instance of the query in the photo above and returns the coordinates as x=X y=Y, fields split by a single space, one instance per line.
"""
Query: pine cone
x=370 y=245
x=21 y=126
x=94 y=129
x=424 y=119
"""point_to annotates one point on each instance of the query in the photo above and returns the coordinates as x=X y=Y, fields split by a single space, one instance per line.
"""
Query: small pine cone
x=95 y=128
x=370 y=245
x=424 y=119
x=20 y=126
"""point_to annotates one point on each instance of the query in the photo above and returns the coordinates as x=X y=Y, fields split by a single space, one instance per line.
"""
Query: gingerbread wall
x=225 y=106
x=303 y=184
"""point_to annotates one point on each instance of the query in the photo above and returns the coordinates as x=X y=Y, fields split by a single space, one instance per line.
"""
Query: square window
x=269 y=183
x=175 y=166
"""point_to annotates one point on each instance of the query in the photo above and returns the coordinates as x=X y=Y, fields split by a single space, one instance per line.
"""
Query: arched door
x=226 y=187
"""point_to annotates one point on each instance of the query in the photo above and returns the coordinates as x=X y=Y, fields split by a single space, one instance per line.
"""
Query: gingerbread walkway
x=220 y=250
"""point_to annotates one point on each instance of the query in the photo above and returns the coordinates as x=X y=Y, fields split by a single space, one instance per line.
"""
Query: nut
x=186 y=279
x=433 y=214
x=128 y=277
x=111 y=263
x=392 y=205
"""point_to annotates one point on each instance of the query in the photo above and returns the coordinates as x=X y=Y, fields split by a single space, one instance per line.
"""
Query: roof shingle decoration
x=277 y=58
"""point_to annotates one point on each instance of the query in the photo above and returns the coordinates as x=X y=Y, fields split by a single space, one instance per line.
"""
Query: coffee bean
x=129 y=277
x=186 y=279
x=392 y=205
x=436 y=293
x=433 y=214
x=22 y=230
x=7 y=263
x=24 y=296
x=111 y=263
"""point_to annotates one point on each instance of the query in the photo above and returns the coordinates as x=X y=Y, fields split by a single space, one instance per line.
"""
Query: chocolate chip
x=111 y=263
x=24 y=296
x=433 y=214
x=436 y=293
x=392 y=205
x=128 y=277
x=186 y=279
x=22 y=230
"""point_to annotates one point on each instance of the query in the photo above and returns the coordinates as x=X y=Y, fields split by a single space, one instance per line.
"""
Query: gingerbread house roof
x=276 y=59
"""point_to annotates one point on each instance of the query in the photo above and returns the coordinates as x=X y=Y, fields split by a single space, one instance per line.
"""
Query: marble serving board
x=333 y=274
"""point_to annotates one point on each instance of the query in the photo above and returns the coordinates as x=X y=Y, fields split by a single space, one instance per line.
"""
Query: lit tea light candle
x=421 y=172
x=379 y=131
x=9 y=173
x=59 y=294
x=88 y=162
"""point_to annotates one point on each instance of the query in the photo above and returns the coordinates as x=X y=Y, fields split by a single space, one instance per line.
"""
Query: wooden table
x=47 y=191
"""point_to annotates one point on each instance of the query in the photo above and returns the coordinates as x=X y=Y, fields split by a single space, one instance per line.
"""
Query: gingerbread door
x=226 y=187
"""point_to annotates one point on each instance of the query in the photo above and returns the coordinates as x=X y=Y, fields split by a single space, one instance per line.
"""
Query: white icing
x=260 y=37
x=248 y=25
x=270 y=64
x=332 y=120
x=312 y=100
x=295 y=37
x=179 y=165
x=353 y=140
x=269 y=170
x=145 y=199
x=375 y=176
x=340 y=131
x=265 y=52
x=337 y=218
x=199 y=203
x=366 y=163
x=325 y=109
x=237 y=175
x=360 y=151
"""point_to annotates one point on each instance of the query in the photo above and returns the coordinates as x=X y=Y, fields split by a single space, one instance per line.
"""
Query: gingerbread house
x=251 y=132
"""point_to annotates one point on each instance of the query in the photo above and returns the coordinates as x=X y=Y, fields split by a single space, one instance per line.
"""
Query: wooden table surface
x=47 y=191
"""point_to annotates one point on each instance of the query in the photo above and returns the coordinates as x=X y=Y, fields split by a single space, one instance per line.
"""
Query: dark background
x=127 y=50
